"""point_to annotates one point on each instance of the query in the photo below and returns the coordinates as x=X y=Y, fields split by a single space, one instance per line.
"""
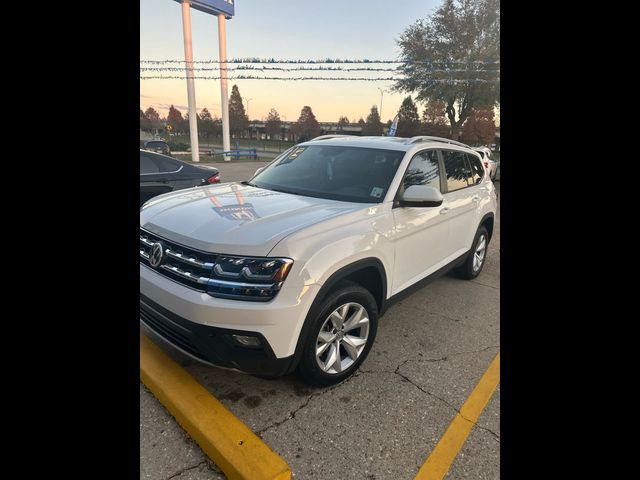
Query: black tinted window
x=166 y=164
x=477 y=170
x=157 y=145
x=456 y=170
x=423 y=170
x=335 y=172
x=147 y=165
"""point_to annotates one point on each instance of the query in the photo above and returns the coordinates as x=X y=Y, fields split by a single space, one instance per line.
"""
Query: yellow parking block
x=228 y=442
x=445 y=452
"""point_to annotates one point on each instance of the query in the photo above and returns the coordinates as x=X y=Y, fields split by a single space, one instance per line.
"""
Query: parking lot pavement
x=430 y=351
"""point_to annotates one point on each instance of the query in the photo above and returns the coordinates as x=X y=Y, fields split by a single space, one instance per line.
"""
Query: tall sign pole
x=224 y=88
x=191 y=89
x=223 y=9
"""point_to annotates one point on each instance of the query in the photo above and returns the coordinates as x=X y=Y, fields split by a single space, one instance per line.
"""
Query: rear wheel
x=472 y=266
x=340 y=337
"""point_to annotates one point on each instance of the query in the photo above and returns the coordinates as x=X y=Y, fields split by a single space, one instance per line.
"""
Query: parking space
x=382 y=423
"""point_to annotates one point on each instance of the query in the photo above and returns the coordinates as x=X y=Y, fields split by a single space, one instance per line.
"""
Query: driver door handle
x=444 y=211
x=475 y=198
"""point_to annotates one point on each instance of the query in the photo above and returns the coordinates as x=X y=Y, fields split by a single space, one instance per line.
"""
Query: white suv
x=292 y=269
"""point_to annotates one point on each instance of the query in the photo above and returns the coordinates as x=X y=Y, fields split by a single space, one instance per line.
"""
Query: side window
x=165 y=164
x=147 y=165
x=423 y=170
x=477 y=170
x=456 y=170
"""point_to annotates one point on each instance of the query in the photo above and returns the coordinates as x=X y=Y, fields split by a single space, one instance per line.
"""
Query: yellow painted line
x=442 y=456
x=228 y=442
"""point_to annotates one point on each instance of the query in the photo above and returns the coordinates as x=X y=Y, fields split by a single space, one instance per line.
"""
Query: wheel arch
x=367 y=272
x=488 y=221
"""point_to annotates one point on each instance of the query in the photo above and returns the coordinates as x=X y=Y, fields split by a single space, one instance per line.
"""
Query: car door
x=421 y=233
x=460 y=200
x=153 y=181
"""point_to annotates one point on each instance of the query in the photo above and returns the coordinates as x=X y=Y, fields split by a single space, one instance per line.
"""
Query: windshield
x=350 y=174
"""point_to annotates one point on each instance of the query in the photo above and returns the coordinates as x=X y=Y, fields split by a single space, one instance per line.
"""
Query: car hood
x=235 y=218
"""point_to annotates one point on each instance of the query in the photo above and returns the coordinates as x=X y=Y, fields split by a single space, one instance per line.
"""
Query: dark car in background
x=161 y=174
x=158 y=146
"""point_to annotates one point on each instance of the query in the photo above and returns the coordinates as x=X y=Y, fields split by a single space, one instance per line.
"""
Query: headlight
x=248 y=278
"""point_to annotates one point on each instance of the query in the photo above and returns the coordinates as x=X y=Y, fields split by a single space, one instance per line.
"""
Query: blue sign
x=214 y=6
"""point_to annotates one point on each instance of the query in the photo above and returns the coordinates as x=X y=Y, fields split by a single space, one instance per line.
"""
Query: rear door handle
x=475 y=198
x=444 y=211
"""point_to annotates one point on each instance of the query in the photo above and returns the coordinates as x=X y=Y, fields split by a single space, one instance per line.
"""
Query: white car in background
x=488 y=161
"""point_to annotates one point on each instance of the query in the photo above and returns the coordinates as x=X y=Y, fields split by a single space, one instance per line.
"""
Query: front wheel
x=472 y=266
x=340 y=337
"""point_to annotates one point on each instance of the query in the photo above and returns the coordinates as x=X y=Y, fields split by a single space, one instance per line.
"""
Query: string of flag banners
x=163 y=69
x=303 y=69
x=358 y=79
x=330 y=60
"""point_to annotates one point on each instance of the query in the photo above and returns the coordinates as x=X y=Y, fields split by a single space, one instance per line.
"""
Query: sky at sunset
x=282 y=29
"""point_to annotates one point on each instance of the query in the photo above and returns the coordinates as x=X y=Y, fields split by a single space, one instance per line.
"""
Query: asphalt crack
x=184 y=470
x=431 y=360
x=485 y=285
x=455 y=409
x=294 y=412
x=495 y=435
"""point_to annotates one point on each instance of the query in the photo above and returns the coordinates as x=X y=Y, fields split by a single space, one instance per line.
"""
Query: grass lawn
x=219 y=159
x=278 y=145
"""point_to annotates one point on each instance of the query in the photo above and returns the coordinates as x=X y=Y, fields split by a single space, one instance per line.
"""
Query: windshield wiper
x=281 y=191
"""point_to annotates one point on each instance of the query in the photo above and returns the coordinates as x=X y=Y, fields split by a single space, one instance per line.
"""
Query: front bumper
x=207 y=321
x=212 y=345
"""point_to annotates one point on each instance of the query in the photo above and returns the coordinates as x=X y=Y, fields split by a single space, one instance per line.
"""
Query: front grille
x=170 y=332
x=184 y=265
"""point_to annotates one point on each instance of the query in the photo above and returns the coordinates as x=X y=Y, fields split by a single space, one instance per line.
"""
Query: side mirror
x=421 y=196
x=258 y=171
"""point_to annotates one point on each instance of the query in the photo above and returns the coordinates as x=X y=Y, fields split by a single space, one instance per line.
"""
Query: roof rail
x=327 y=137
x=423 y=138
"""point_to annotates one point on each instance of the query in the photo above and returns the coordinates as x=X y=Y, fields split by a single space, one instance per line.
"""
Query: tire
x=468 y=270
x=316 y=370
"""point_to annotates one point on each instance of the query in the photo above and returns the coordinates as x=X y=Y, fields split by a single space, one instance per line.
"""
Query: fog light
x=246 y=341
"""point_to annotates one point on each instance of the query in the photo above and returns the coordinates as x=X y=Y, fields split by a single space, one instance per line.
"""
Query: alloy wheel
x=342 y=338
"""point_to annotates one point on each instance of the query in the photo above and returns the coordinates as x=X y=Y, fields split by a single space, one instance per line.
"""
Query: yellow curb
x=445 y=452
x=228 y=442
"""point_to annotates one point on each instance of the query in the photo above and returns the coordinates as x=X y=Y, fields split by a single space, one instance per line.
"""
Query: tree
x=174 y=118
x=145 y=124
x=480 y=128
x=273 y=125
x=342 y=122
x=238 y=120
x=408 y=119
x=206 y=125
x=453 y=56
x=154 y=117
x=434 y=121
x=372 y=126
x=307 y=127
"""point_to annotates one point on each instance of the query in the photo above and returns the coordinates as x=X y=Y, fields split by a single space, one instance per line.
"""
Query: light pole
x=191 y=89
x=224 y=90
x=382 y=91
x=248 y=100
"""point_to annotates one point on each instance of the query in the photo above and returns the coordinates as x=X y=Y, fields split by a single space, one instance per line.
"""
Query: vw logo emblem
x=156 y=254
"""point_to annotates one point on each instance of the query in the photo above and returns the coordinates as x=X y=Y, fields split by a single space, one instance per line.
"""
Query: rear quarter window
x=456 y=170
